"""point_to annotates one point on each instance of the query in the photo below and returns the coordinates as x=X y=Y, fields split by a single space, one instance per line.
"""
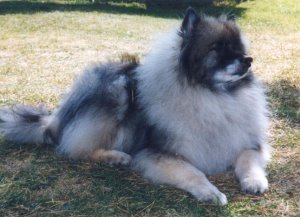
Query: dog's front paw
x=211 y=195
x=254 y=184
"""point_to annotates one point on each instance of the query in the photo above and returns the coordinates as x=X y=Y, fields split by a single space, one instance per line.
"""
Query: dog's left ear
x=231 y=17
x=189 y=22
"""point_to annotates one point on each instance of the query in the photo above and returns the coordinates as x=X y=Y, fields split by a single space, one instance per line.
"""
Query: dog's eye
x=222 y=45
x=218 y=46
x=234 y=48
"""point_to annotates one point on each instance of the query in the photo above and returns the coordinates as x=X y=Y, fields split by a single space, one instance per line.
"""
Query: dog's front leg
x=165 y=169
x=250 y=171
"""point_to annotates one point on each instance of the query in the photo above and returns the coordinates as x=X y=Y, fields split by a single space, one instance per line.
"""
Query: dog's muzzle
x=246 y=61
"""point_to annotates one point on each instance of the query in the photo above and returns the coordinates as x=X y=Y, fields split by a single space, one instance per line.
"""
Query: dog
x=192 y=108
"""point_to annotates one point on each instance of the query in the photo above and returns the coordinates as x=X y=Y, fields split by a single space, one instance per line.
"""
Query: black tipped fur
x=25 y=124
x=100 y=89
x=108 y=89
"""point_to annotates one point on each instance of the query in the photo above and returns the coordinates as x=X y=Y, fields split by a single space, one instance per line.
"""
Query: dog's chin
x=223 y=76
x=233 y=72
x=223 y=79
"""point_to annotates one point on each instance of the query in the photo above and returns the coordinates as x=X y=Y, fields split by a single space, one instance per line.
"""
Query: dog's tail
x=26 y=124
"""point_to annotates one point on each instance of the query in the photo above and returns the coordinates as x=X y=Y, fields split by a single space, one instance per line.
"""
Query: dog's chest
x=209 y=131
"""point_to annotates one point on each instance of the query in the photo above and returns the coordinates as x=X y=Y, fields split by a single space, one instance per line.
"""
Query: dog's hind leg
x=111 y=157
x=165 y=169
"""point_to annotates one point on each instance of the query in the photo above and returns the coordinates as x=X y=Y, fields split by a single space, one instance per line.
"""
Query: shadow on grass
x=285 y=101
x=31 y=7
x=50 y=184
x=8 y=148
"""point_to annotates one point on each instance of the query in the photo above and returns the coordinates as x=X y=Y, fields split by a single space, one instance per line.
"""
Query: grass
x=44 y=45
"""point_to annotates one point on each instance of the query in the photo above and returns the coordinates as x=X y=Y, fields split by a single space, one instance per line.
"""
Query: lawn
x=45 y=44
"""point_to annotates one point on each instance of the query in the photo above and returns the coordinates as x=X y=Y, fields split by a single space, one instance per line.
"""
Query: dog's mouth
x=235 y=71
x=243 y=66
x=241 y=72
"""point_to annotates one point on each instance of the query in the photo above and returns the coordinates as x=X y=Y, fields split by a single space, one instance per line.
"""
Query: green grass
x=44 y=45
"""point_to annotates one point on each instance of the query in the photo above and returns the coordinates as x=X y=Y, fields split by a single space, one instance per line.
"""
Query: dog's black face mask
x=212 y=53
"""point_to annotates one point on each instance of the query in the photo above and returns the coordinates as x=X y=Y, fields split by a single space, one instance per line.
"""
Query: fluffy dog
x=192 y=108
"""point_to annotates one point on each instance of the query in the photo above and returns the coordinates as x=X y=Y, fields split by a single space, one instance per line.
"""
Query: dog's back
x=89 y=122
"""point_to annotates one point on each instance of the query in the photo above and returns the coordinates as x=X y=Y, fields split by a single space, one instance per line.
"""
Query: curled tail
x=26 y=124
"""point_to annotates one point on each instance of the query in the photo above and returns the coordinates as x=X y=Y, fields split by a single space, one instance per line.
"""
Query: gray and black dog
x=192 y=108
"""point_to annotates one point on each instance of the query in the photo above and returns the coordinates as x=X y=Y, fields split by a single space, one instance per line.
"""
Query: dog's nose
x=247 y=61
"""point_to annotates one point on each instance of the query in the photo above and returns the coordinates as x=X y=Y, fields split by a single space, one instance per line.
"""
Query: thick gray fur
x=89 y=118
x=23 y=124
x=192 y=108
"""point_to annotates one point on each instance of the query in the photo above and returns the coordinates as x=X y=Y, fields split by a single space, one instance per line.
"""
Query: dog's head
x=213 y=53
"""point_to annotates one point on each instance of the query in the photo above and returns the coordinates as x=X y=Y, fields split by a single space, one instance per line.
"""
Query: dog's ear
x=189 y=22
x=231 y=17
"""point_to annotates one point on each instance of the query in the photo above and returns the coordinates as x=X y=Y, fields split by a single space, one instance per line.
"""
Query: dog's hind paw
x=122 y=159
x=112 y=157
